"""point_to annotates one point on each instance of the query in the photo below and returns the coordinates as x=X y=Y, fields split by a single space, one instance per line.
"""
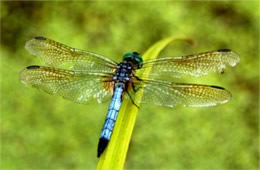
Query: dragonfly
x=82 y=76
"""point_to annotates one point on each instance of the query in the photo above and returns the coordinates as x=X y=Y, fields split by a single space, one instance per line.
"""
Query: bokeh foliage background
x=39 y=131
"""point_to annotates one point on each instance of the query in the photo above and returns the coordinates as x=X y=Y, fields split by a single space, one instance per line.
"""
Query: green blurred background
x=40 y=131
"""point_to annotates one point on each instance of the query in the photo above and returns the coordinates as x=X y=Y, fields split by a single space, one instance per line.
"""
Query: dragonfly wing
x=194 y=65
x=77 y=86
x=171 y=94
x=59 y=55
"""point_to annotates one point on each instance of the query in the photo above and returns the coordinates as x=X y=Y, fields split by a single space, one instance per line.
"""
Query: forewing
x=194 y=65
x=171 y=94
x=77 y=86
x=59 y=55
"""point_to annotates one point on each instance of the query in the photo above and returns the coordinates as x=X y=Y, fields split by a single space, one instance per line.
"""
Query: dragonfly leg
x=133 y=86
x=137 y=78
x=132 y=99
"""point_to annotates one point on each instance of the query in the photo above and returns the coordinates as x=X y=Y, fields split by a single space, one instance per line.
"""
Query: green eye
x=139 y=60
x=127 y=55
x=135 y=58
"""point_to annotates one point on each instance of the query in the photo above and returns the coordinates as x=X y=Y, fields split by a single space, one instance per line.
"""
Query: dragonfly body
x=122 y=79
x=82 y=76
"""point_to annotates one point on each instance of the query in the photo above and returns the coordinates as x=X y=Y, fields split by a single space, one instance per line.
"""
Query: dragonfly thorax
x=133 y=58
x=123 y=72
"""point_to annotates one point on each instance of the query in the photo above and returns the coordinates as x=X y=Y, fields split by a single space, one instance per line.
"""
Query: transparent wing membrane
x=81 y=76
x=77 y=86
x=194 y=65
x=59 y=55
x=170 y=94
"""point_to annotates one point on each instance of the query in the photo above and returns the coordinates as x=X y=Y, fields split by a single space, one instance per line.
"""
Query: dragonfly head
x=135 y=58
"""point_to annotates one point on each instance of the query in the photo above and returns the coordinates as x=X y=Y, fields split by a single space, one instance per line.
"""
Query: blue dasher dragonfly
x=81 y=76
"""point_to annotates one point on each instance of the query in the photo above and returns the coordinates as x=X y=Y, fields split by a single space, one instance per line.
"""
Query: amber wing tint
x=164 y=93
x=194 y=65
x=77 y=86
x=80 y=76
x=59 y=55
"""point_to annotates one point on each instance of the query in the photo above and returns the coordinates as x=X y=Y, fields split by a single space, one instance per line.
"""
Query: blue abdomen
x=110 y=118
